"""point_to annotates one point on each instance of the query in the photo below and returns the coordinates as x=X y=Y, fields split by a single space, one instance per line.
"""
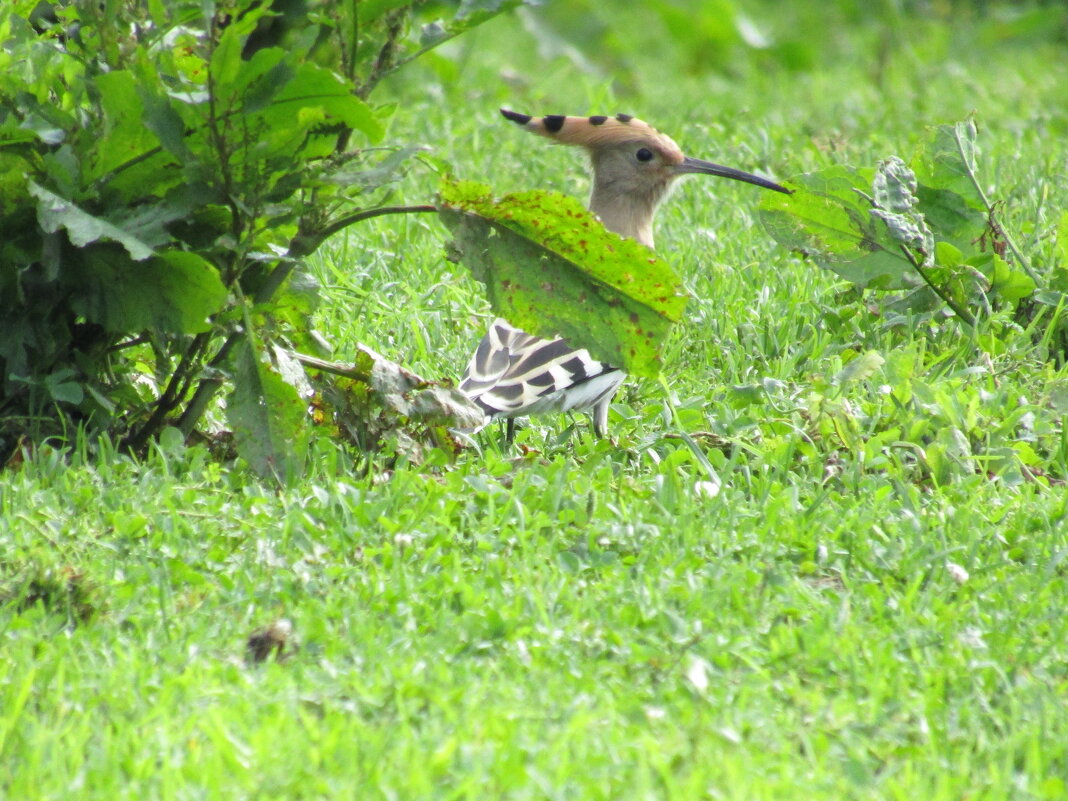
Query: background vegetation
x=827 y=561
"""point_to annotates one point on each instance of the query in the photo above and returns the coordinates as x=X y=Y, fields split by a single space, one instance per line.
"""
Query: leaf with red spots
x=552 y=269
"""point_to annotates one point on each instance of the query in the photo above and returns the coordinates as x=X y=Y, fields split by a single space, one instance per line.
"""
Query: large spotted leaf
x=551 y=268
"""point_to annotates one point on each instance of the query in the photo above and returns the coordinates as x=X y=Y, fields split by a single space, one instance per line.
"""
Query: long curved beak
x=690 y=165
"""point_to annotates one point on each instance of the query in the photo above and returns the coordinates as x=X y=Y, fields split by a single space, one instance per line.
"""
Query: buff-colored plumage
x=598 y=132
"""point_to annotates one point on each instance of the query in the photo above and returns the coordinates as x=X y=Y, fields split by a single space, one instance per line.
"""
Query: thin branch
x=171 y=395
x=207 y=387
x=129 y=343
x=304 y=244
x=367 y=214
x=959 y=310
x=334 y=368
x=384 y=63
x=350 y=52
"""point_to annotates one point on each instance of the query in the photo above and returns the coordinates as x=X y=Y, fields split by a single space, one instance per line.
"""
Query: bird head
x=634 y=165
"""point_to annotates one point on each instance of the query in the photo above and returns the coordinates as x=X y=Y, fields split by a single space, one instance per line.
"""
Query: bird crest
x=597 y=131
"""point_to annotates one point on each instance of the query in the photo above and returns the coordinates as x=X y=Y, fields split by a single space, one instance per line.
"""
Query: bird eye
x=645 y=154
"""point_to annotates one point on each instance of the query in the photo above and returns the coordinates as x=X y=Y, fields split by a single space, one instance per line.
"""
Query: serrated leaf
x=255 y=69
x=551 y=268
x=53 y=213
x=226 y=63
x=267 y=416
x=264 y=88
x=148 y=222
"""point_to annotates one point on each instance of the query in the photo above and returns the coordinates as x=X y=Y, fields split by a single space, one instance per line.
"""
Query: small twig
x=129 y=343
x=170 y=397
x=959 y=310
x=334 y=368
x=367 y=214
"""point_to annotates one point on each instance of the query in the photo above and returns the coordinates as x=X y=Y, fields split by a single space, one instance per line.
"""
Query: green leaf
x=946 y=255
x=45 y=129
x=371 y=10
x=950 y=217
x=126 y=135
x=175 y=292
x=829 y=219
x=862 y=367
x=53 y=213
x=365 y=177
x=894 y=186
x=313 y=87
x=551 y=268
x=226 y=63
x=62 y=389
x=1062 y=239
x=166 y=123
x=264 y=88
x=473 y=13
x=267 y=415
x=148 y=222
x=894 y=193
x=946 y=160
x=1010 y=284
x=1052 y=297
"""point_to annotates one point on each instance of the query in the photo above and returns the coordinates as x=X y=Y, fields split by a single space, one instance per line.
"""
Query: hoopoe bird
x=513 y=374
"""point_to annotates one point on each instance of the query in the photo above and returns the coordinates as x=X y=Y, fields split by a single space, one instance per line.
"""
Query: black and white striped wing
x=513 y=374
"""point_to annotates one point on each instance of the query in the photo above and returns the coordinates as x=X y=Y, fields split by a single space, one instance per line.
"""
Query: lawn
x=782 y=577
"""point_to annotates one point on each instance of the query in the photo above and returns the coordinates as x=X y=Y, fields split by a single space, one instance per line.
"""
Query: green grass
x=588 y=620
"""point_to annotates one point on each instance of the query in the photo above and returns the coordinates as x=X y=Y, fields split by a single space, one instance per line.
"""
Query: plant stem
x=306 y=243
x=384 y=63
x=302 y=245
x=959 y=310
x=170 y=397
x=990 y=212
